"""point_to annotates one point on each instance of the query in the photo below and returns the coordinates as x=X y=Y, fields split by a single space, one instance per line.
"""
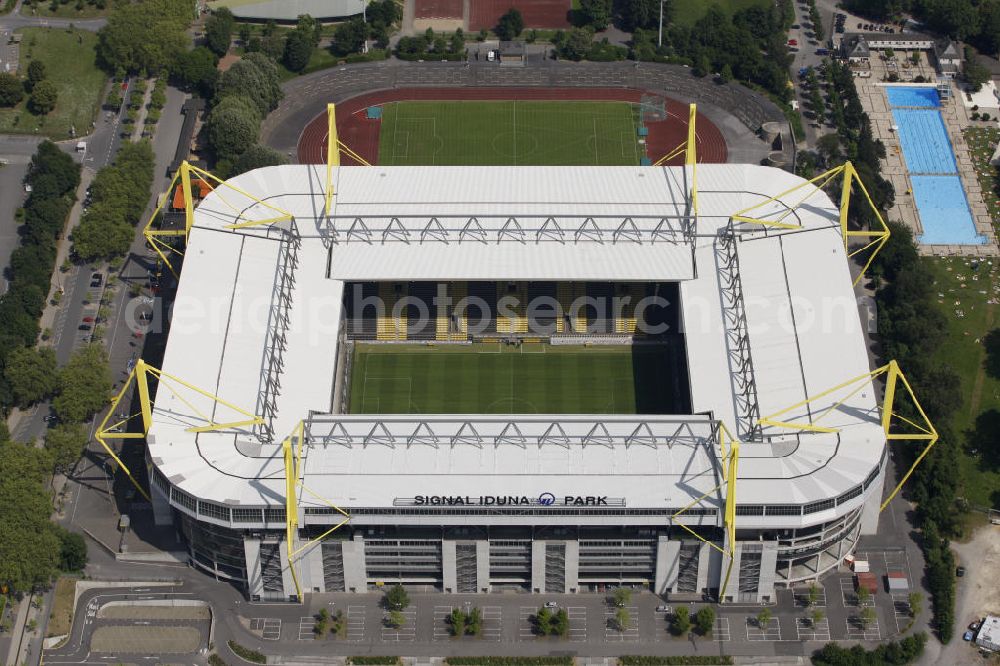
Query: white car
x=491 y=55
x=664 y=609
x=551 y=604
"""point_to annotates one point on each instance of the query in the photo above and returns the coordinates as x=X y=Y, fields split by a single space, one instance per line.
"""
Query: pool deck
x=876 y=104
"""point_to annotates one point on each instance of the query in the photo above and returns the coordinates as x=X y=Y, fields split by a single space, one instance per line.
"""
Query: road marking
x=355 y=623
x=770 y=632
x=631 y=631
x=306 y=625
x=805 y=630
x=407 y=632
x=720 y=632
x=855 y=631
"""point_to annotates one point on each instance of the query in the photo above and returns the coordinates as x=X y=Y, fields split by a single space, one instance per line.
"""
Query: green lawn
x=71 y=62
x=963 y=295
x=67 y=10
x=687 y=12
x=982 y=142
x=499 y=379
x=508 y=133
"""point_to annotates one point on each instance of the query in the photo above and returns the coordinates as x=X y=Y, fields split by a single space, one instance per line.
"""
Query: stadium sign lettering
x=546 y=499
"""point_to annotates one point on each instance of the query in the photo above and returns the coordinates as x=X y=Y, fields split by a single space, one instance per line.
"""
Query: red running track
x=438 y=9
x=362 y=135
x=536 y=13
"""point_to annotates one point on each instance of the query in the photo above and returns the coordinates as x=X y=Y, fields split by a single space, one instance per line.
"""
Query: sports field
x=509 y=133
x=530 y=379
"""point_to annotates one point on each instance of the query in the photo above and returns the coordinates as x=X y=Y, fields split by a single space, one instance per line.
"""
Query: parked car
x=84 y=327
x=974 y=626
x=96 y=280
x=960 y=571
x=968 y=636
x=664 y=609
x=89 y=320
x=793 y=42
x=551 y=604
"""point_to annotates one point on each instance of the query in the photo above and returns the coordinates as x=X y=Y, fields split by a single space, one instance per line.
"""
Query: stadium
x=550 y=379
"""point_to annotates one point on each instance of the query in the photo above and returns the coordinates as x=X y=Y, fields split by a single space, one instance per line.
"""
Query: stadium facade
x=766 y=318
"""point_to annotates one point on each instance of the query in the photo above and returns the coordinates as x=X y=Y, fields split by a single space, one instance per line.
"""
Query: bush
x=374 y=661
x=216 y=660
x=684 y=660
x=889 y=654
x=246 y=653
x=11 y=89
x=509 y=661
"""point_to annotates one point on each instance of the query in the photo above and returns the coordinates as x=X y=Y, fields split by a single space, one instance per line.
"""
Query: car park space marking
x=269 y=628
x=770 y=632
x=801 y=597
x=525 y=627
x=306 y=625
x=807 y=631
x=577 y=623
x=492 y=622
x=631 y=632
x=407 y=632
x=901 y=609
x=355 y=623
x=720 y=632
x=441 y=631
x=850 y=595
x=856 y=632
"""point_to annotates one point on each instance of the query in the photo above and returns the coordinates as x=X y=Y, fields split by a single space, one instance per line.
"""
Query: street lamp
x=659 y=40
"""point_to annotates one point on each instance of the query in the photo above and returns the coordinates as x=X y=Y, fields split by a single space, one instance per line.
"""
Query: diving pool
x=930 y=160
x=910 y=96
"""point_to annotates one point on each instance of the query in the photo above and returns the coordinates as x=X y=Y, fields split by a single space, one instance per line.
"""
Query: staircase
x=389 y=327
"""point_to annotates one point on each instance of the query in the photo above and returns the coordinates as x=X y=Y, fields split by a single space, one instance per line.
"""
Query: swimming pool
x=911 y=96
x=926 y=146
x=930 y=159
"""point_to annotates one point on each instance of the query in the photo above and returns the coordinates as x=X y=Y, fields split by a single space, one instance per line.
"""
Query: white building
x=989 y=633
x=472 y=503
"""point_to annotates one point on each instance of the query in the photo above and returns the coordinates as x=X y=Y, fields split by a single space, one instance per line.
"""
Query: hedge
x=509 y=661
x=673 y=661
x=375 y=661
x=246 y=653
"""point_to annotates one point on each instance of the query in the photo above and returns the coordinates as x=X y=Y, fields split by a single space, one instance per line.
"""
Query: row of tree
x=431 y=45
x=893 y=653
x=32 y=549
x=118 y=198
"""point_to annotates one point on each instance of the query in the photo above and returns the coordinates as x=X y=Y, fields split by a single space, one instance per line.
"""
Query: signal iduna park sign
x=544 y=499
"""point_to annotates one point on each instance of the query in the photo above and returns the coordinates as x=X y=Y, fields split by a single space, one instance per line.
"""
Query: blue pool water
x=906 y=96
x=937 y=189
x=926 y=146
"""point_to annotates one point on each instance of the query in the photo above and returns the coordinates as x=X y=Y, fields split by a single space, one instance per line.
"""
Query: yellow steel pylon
x=140 y=377
x=183 y=176
x=292 y=453
x=333 y=147
x=876 y=238
x=893 y=376
x=690 y=150
x=729 y=455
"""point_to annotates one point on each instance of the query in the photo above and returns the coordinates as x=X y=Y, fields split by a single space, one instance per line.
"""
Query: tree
x=863 y=595
x=596 y=13
x=219 y=30
x=560 y=623
x=510 y=24
x=681 y=623
x=956 y=18
x=98 y=237
x=622 y=619
x=704 y=620
x=764 y=618
x=867 y=616
x=621 y=596
x=144 y=35
x=828 y=146
x=577 y=43
x=637 y=14
x=233 y=126
x=813 y=595
x=84 y=384
x=72 y=550
x=43 y=98
x=456 y=622
x=396 y=598
x=255 y=77
x=298 y=50
x=726 y=73
x=255 y=157
x=916 y=603
x=395 y=619
x=11 y=89
x=474 y=622
x=196 y=70
x=543 y=621
x=349 y=37
x=36 y=73
x=975 y=73
x=65 y=442
x=31 y=373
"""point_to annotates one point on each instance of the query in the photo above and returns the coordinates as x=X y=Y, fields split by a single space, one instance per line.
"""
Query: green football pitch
x=530 y=379
x=509 y=133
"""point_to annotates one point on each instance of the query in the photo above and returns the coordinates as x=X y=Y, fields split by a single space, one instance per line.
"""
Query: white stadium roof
x=525 y=223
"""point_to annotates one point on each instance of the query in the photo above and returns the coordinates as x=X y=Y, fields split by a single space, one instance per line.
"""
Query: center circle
x=503 y=144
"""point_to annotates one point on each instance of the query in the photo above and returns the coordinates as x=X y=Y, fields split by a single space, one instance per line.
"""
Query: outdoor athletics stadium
x=538 y=378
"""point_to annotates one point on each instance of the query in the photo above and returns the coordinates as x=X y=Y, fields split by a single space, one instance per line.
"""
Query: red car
x=88 y=319
x=793 y=42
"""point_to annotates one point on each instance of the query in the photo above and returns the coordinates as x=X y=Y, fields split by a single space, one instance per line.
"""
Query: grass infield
x=530 y=379
x=509 y=133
